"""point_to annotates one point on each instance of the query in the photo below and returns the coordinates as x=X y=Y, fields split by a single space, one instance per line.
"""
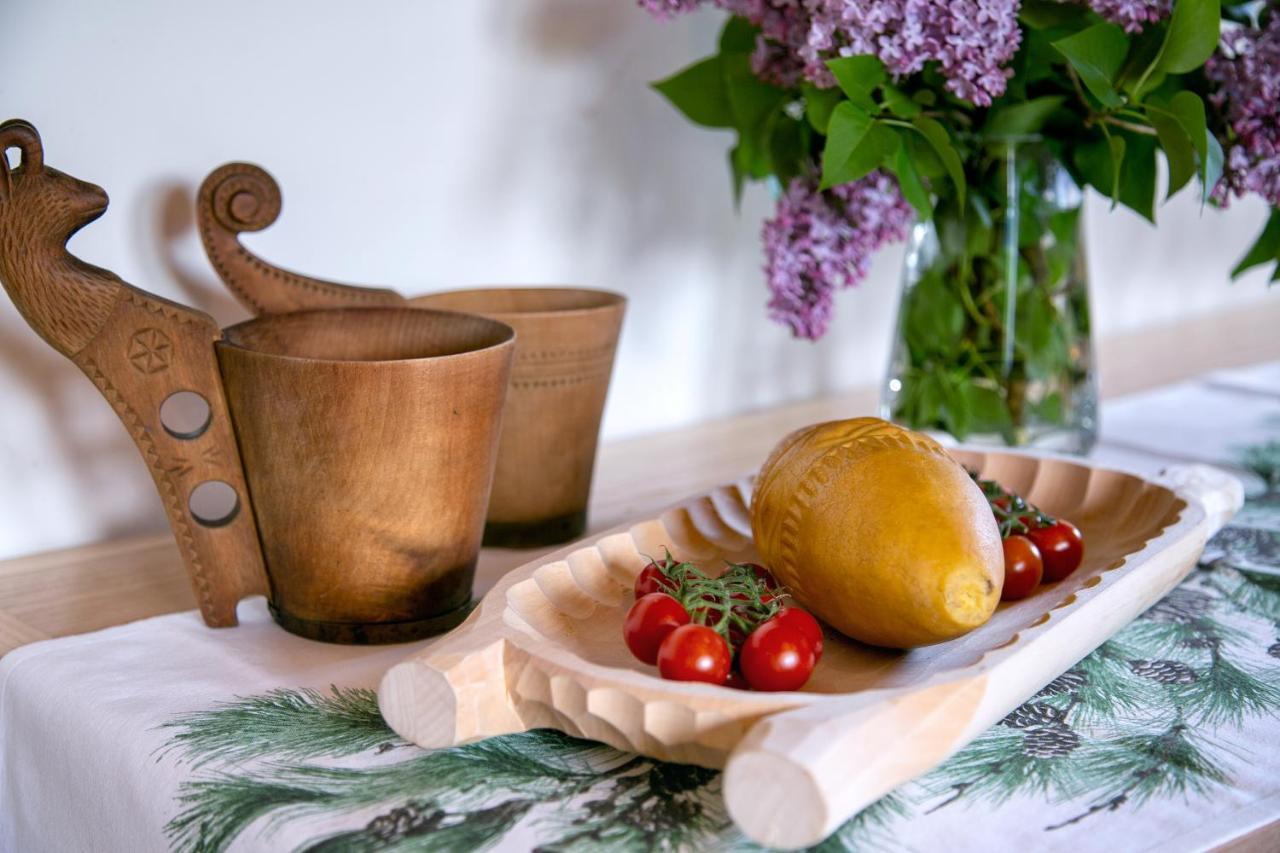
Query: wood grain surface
x=797 y=765
x=566 y=338
x=369 y=436
x=138 y=350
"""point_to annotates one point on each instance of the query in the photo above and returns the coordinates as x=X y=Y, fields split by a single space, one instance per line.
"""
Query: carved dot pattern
x=150 y=351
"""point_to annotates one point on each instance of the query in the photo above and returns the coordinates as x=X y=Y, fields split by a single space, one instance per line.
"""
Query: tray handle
x=1218 y=492
x=798 y=775
x=455 y=691
x=240 y=197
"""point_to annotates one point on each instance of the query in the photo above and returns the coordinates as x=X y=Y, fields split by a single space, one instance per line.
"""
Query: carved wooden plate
x=544 y=650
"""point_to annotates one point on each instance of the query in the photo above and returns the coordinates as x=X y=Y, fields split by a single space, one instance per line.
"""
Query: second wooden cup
x=565 y=344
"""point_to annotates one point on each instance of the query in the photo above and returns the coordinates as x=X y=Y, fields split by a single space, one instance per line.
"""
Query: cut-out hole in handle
x=185 y=415
x=213 y=503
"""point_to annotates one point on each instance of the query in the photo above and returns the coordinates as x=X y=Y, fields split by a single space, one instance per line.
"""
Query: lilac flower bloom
x=818 y=242
x=971 y=40
x=664 y=9
x=1133 y=15
x=1246 y=68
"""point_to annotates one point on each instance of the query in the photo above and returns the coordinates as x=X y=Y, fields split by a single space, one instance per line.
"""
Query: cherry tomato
x=806 y=624
x=648 y=623
x=777 y=656
x=736 y=681
x=1061 y=547
x=763 y=575
x=694 y=653
x=1023 y=568
x=652 y=579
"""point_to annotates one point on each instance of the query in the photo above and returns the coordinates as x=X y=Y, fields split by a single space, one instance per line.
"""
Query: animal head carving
x=33 y=193
x=64 y=299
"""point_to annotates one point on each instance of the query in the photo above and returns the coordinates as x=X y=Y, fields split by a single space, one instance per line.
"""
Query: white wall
x=426 y=145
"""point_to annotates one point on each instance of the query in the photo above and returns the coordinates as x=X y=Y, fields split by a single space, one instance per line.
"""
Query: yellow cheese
x=878 y=531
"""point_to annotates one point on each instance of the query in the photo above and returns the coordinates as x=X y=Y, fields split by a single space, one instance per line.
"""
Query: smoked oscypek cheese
x=875 y=529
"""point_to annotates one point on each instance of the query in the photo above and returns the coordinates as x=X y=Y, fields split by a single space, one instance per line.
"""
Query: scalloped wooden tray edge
x=543 y=650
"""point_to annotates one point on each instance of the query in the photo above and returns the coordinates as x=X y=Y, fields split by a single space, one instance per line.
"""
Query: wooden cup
x=566 y=339
x=338 y=461
x=565 y=343
x=368 y=437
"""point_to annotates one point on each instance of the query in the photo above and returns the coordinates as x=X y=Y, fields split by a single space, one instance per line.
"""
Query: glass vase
x=992 y=342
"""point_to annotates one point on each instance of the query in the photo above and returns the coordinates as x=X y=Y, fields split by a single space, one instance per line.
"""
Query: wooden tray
x=544 y=650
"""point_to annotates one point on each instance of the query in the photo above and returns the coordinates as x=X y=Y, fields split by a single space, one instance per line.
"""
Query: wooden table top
x=84 y=589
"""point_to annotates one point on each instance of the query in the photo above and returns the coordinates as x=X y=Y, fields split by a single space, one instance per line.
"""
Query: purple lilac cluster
x=1133 y=15
x=664 y=9
x=1246 y=69
x=818 y=242
x=971 y=40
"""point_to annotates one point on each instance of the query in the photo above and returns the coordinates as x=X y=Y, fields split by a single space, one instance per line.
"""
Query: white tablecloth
x=164 y=735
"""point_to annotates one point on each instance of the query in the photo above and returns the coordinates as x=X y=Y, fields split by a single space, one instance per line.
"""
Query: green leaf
x=1176 y=144
x=699 y=92
x=955 y=405
x=1092 y=160
x=738 y=36
x=987 y=407
x=751 y=100
x=897 y=102
x=1192 y=37
x=858 y=76
x=1097 y=53
x=1138 y=176
x=1212 y=167
x=1021 y=119
x=1265 y=249
x=938 y=137
x=1139 y=76
x=856 y=144
x=1043 y=14
x=1116 y=146
x=924 y=157
x=788 y=146
x=1188 y=109
x=909 y=182
x=934 y=322
x=818 y=104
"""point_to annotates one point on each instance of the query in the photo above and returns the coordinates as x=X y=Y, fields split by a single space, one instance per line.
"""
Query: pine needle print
x=287 y=724
x=1153 y=718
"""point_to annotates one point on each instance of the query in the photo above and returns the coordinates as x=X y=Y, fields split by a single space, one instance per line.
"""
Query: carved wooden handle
x=241 y=197
x=1220 y=493
x=456 y=691
x=138 y=350
x=798 y=775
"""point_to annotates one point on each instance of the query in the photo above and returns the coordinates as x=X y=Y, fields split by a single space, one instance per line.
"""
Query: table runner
x=163 y=735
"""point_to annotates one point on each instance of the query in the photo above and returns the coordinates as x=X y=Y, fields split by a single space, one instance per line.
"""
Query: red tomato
x=694 y=653
x=648 y=623
x=763 y=574
x=806 y=625
x=1061 y=547
x=1023 y=568
x=777 y=656
x=652 y=579
x=736 y=681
